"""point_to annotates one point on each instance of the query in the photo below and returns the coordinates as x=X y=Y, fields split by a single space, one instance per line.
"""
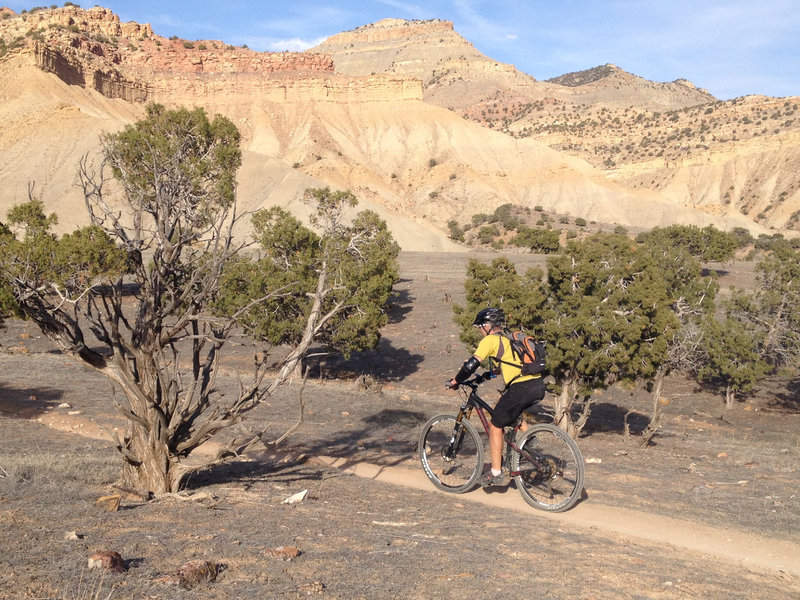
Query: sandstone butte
x=406 y=115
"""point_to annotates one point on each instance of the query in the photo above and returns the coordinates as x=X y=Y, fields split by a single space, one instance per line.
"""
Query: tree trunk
x=730 y=397
x=583 y=418
x=563 y=407
x=148 y=466
x=655 y=415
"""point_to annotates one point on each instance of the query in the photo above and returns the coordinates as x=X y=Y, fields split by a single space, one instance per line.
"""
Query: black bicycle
x=544 y=461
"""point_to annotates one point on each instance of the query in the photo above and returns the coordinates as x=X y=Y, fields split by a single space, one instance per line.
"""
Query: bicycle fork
x=451 y=449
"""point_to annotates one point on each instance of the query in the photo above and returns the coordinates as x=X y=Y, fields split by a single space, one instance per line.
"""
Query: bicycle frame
x=474 y=402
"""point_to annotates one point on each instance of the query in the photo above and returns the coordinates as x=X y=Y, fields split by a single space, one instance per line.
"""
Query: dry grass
x=91 y=587
x=23 y=473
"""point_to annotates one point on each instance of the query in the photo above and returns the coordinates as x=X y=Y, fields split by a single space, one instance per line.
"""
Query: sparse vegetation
x=456 y=231
x=707 y=244
x=615 y=138
x=540 y=241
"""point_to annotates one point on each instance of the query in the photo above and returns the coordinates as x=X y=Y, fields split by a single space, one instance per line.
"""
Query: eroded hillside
x=672 y=138
x=308 y=121
x=741 y=155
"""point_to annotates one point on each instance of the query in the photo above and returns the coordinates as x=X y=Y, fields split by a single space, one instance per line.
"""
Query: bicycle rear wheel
x=549 y=471
x=451 y=453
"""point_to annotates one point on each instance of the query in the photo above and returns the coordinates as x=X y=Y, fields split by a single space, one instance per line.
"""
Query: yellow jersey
x=490 y=347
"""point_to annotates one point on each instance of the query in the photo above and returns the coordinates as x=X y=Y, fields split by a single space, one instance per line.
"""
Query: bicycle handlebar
x=473 y=383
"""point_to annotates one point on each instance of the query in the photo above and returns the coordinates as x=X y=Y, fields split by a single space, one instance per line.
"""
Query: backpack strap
x=502 y=349
x=500 y=352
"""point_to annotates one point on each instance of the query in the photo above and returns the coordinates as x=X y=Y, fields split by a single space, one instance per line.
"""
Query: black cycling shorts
x=515 y=399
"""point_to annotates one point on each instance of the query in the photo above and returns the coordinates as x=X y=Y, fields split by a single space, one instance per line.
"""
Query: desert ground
x=709 y=511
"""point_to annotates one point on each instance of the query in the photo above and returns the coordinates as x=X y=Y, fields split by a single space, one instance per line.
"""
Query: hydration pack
x=530 y=350
x=527 y=350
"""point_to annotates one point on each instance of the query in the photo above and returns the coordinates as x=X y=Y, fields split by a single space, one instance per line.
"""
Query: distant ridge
x=607 y=71
x=585 y=77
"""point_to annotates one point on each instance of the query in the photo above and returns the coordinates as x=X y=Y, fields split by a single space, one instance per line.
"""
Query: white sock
x=496 y=472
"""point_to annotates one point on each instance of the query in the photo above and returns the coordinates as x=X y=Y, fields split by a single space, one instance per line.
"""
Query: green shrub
x=488 y=233
x=543 y=241
x=456 y=231
x=479 y=218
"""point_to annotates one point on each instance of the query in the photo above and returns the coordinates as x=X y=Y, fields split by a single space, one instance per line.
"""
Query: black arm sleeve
x=468 y=368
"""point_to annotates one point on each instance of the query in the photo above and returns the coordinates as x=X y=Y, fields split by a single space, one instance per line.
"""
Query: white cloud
x=293 y=45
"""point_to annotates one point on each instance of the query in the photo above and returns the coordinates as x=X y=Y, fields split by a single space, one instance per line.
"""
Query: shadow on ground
x=385 y=438
x=790 y=398
x=26 y=403
x=386 y=363
x=247 y=474
x=611 y=418
x=400 y=303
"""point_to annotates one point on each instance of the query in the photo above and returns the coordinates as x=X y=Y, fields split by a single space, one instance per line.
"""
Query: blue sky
x=730 y=47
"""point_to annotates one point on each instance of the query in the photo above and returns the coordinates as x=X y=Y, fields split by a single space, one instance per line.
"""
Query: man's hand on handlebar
x=480 y=378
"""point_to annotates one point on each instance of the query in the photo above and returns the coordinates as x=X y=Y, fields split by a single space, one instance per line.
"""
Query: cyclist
x=521 y=391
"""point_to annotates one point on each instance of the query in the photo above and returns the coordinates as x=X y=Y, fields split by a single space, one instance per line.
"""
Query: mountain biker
x=521 y=391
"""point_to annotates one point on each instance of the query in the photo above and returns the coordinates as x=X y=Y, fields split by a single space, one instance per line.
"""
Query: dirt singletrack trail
x=435 y=280
x=710 y=510
x=754 y=552
x=760 y=553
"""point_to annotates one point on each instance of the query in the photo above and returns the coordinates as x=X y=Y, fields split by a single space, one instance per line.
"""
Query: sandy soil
x=709 y=511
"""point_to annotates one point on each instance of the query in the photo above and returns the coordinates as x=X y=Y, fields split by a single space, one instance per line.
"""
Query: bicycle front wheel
x=549 y=469
x=451 y=453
